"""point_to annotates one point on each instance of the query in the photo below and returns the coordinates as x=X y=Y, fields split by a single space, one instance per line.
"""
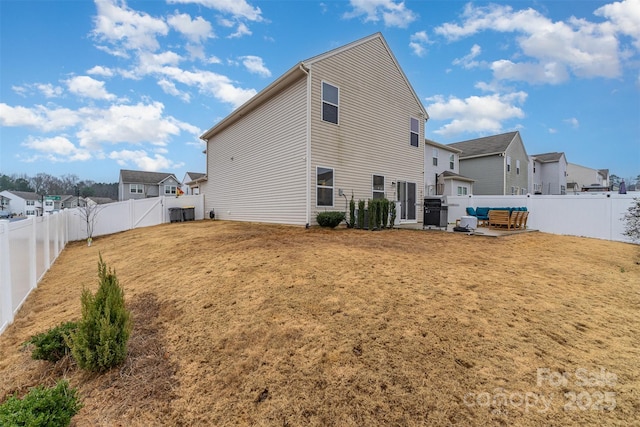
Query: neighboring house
x=583 y=178
x=548 y=173
x=343 y=123
x=441 y=171
x=90 y=201
x=191 y=182
x=140 y=185
x=69 y=202
x=497 y=163
x=22 y=203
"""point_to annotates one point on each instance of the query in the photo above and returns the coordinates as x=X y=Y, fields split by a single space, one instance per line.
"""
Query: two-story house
x=346 y=122
x=497 y=163
x=191 y=182
x=23 y=203
x=548 y=173
x=140 y=185
x=441 y=171
x=583 y=178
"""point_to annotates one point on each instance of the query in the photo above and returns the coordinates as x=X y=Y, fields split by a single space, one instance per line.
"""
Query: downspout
x=308 y=147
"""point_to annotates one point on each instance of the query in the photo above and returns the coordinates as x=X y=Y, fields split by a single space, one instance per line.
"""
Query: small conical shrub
x=100 y=342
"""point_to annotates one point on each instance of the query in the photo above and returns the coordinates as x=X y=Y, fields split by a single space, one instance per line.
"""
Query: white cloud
x=393 y=14
x=87 y=87
x=255 y=65
x=170 y=88
x=196 y=30
x=56 y=149
x=625 y=16
x=555 y=49
x=468 y=61
x=418 y=41
x=236 y=8
x=99 y=70
x=573 y=122
x=49 y=90
x=475 y=114
x=242 y=30
x=39 y=117
x=132 y=124
x=143 y=161
x=126 y=29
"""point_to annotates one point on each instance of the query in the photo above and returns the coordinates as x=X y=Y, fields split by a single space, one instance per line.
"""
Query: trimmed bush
x=361 y=223
x=100 y=342
x=330 y=219
x=372 y=208
x=392 y=214
x=385 y=212
x=352 y=213
x=52 y=345
x=42 y=407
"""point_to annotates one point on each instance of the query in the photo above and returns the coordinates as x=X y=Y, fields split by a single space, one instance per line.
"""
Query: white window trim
x=137 y=187
x=322 y=101
x=170 y=188
x=384 y=183
x=508 y=163
x=411 y=132
x=517 y=167
x=452 y=161
x=333 y=187
x=434 y=156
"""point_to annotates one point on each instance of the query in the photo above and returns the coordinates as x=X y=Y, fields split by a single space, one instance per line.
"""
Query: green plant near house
x=352 y=212
x=42 y=407
x=361 y=223
x=330 y=219
x=100 y=341
x=52 y=345
x=371 y=207
x=378 y=204
x=392 y=214
x=385 y=212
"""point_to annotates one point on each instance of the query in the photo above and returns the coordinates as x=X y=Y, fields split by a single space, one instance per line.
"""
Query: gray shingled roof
x=486 y=146
x=452 y=175
x=548 y=157
x=141 y=177
x=195 y=175
x=26 y=195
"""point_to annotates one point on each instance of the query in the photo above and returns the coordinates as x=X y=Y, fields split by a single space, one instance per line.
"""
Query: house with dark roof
x=441 y=171
x=191 y=182
x=23 y=203
x=497 y=163
x=140 y=184
x=346 y=122
x=548 y=173
x=584 y=178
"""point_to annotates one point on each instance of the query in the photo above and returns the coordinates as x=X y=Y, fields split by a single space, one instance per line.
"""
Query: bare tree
x=89 y=214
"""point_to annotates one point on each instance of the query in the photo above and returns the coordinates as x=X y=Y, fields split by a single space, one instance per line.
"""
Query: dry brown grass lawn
x=253 y=324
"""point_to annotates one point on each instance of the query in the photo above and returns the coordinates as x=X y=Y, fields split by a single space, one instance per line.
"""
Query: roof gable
x=141 y=177
x=297 y=72
x=548 y=157
x=25 y=195
x=485 y=146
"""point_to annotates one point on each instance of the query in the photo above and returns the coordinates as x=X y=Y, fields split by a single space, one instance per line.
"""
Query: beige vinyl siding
x=373 y=134
x=257 y=166
x=487 y=171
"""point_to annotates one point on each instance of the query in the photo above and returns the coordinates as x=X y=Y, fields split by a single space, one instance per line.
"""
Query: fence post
x=33 y=256
x=6 y=297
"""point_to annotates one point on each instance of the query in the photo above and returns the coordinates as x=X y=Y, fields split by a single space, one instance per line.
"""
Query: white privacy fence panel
x=588 y=215
x=29 y=247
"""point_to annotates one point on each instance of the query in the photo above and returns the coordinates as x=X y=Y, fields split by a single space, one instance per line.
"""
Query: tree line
x=70 y=184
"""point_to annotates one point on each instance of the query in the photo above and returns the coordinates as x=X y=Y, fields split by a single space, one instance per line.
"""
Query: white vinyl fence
x=598 y=215
x=28 y=247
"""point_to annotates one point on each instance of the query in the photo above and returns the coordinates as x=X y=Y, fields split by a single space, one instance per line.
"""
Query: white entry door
x=407 y=198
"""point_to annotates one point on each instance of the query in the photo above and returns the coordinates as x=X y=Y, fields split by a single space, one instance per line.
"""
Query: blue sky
x=89 y=88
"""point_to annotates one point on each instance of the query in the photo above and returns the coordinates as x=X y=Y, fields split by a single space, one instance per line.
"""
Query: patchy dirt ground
x=267 y=325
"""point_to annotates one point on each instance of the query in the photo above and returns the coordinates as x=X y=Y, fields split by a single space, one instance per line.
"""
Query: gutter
x=307 y=157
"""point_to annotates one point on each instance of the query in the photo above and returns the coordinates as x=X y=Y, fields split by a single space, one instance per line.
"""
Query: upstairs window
x=509 y=164
x=31 y=202
x=435 y=157
x=135 y=188
x=378 y=187
x=170 y=189
x=324 y=186
x=452 y=159
x=415 y=132
x=517 y=167
x=330 y=103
